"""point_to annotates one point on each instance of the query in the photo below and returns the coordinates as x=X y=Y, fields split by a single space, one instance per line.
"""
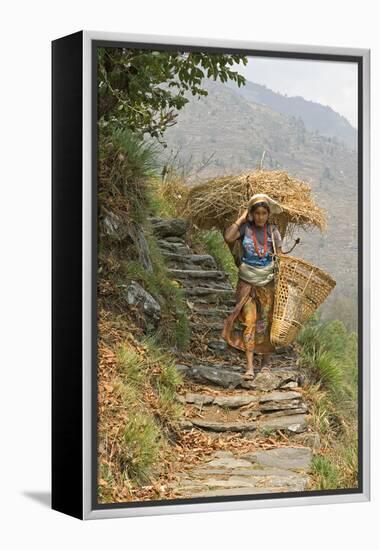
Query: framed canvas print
x=211 y=291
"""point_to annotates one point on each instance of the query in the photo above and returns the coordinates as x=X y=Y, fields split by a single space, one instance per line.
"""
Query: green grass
x=167 y=383
x=326 y=472
x=105 y=492
x=131 y=366
x=338 y=469
x=169 y=379
x=216 y=247
x=267 y=432
x=143 y=442
x=154 y=368
x=141 y=156
x=168 y=405
x=159 y=205
x=329 y=369
x=126 y=163
x=329 y=350
x=146 y=384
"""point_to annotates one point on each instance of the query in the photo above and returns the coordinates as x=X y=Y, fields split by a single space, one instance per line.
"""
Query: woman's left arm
x=278 y=240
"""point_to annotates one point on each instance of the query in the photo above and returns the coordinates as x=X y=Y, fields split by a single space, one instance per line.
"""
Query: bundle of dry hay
x=216 y=203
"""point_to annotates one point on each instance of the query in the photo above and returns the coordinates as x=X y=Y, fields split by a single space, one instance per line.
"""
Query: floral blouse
x=250 y=255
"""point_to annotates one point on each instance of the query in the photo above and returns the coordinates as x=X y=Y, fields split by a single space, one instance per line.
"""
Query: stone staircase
x=217 y=399
x=210 y=296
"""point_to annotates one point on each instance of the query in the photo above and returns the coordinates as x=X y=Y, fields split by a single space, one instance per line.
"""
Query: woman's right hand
x=243 y=217
x=232 y=233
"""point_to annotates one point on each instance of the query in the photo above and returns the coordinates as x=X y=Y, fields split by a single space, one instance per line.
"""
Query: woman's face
x=260 y=215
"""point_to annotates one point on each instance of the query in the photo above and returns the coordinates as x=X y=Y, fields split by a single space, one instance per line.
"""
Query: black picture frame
x=74 y=261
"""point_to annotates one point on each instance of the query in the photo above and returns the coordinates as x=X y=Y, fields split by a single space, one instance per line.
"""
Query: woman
x=255 y=287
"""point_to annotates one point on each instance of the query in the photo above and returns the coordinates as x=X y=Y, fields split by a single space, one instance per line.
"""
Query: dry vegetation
x=217 y=202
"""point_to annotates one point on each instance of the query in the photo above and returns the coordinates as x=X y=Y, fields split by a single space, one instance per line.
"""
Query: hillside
x=316 y=117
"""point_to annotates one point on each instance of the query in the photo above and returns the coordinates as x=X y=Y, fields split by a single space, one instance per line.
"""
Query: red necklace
x=264 y=241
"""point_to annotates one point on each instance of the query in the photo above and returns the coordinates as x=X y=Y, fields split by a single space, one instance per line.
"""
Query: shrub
x=142 y=444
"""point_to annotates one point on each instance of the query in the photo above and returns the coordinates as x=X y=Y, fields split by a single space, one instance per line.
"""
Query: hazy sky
x=327 y=82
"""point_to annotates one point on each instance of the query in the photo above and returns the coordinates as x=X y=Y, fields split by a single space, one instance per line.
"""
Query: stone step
x=252 y=414
x=282 y=457
x=273 y=406
x=212 y=326
x=215 y=426
x=219 y=347
x=237 y=491
x=209 y=284
x=301 y=409
x=203 y=302
x=227 y=365
x=277 y=378
x=175 y=247
x=206 y=374
x=219 y=344
x=296 y=423
x=191 y=260
x=233 y=411
x=209 y=292
x=208 y=321
x=175 y=240
x=173 y=227
x=199 y=274
x=291 y=423
x=219 y=313
x=266 y=471
x=229 y=378
x=245 y=472
x=266 y=401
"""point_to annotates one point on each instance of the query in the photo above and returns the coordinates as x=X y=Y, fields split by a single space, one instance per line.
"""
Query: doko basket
x=300 y=289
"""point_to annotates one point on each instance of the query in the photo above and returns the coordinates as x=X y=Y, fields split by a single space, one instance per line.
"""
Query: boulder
x=138 y=237
x=220 y=377
x=138 y=297
x=113 y=227
x=174 y=227
x=219 y=346
x=268 y=381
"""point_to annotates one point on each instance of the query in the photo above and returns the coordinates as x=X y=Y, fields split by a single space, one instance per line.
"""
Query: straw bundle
x=216 y=203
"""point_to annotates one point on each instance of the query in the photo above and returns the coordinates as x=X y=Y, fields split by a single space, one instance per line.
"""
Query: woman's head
x=259 y=212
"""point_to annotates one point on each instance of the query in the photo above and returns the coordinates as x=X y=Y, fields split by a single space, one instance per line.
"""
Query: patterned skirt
x=254 y=309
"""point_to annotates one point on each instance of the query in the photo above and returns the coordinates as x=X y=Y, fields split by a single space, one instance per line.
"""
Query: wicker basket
x=301 y=288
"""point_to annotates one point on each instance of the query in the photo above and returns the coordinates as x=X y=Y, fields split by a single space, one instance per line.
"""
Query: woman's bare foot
x=266 y=363
x=249 y=374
